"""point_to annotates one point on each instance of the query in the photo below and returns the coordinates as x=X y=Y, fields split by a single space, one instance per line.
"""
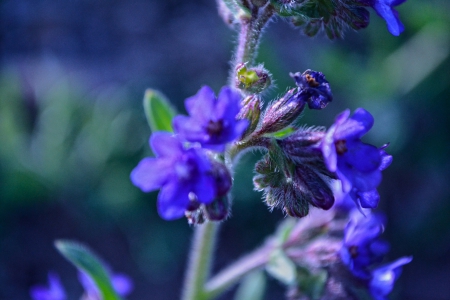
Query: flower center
x=341 y=146
x=311 y=81
x=353 y=251
x=214 y=127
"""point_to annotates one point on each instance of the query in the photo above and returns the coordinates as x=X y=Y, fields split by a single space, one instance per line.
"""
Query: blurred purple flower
x=121 y=283
x=212 y=121
x=180 y=173
x=356 y=164
x=362 y=245
x=383 y=278
x=54 y=291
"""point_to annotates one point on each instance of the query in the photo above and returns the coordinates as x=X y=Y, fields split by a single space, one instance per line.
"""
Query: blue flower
x=121 y=283
x=357 y=165
x=383 y=278
x=181 y=174
x=212 y=121
x=314 y=88
x=362 y=245
x=54 y=291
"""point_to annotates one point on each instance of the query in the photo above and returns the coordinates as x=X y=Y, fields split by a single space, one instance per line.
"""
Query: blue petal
x=369 y=199
x=391 y=17
x=363 y=157
x=205 y=189
x=201 y=105
x=356 y=126
x=165 y=144
x=228 y=104
x=122 y=284
x=173 y=200
x=151 y=173
x=190 y=129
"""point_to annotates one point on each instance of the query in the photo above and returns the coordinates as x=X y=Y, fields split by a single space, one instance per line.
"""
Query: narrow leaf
x=158 y=110
x=281 y=267
x=252 y=287
x=88 y=262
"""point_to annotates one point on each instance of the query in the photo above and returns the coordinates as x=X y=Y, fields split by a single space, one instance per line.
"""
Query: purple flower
x=384 y=9
x=356 y=164
x=54 y=291
x=314 y=88
x=182 y=174
x=212 y=121
x=121 y=283
x=361 y=245
x=383 y=278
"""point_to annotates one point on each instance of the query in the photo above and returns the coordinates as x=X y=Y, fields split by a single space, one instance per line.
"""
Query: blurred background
x=72 y=78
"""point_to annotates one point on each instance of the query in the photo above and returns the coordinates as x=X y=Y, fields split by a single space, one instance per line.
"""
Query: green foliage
x=158 y=110
x=252 y=287
x=86 y=261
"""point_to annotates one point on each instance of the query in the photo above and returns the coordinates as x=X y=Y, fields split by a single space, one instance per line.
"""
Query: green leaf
x=252 y=286
x=158 y=110
x=88 y=262
x=281 y=267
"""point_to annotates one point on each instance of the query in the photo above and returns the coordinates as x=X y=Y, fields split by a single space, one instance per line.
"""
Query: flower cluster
x=362 y=248
x=358 y=165
x=121 y=283
x=191 y=180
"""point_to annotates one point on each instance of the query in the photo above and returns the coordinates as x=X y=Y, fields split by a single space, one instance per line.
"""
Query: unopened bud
x=222 y=179
x=252 y=80
x=283 y=112
x=251 y=110
x=218 y=210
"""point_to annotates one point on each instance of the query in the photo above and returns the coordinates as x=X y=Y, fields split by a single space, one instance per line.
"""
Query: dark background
x=72 y=77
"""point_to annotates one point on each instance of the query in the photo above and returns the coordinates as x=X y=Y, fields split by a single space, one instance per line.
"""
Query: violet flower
x=383 y=278
x=314 y=88
x=356 y=164
x=181 y=174
x=362 y=245
x=121 y=283
x=212 y=121
x=54 y=291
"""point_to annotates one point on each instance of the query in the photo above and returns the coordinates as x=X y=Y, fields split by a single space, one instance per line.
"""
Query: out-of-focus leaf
x=158 y=110
x=252 y=287
x=85 y=260
x=281 y=267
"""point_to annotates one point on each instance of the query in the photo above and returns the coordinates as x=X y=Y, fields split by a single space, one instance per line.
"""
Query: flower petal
x=151 y=173
x=391 y=17
x=173 y=200
x=201 y=105
x=165 y=144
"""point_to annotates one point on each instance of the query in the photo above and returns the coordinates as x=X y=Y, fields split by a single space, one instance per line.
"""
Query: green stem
x=200 y=261
x=233 y=273
x=251 y=28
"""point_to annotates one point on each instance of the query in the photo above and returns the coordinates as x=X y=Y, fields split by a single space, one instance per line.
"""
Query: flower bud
x=283 y=112
x=218 y=210
x=252 y=80
x=222 y=179
x=251 y=110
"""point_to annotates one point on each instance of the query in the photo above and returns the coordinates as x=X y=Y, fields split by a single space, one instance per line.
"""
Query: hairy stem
x=249 y=35
x=199 y=264
x=233 y=273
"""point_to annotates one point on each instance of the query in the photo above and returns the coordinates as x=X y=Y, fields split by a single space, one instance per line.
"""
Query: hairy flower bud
x=283 y=112
x=222 y=178
x=251 y=110
x=252 y=80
